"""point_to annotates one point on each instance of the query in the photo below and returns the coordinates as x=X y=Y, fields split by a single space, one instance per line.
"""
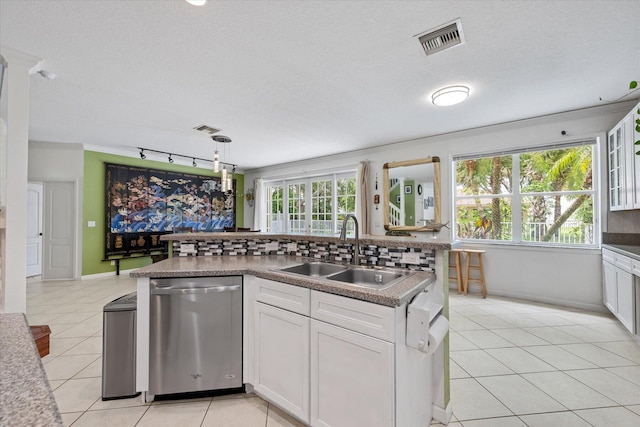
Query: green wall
x=410 y=204
x=94 y=197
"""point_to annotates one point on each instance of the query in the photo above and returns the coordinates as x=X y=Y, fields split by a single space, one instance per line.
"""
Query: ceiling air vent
x=441 y=38
x=207 y=129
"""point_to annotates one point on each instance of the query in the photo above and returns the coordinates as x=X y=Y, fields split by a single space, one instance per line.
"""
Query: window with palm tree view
x=542 y=197
x=316 y=205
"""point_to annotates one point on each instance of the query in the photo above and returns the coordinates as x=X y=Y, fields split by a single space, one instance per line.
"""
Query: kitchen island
x=300 y=333
x=267 y=267
x=25 y=395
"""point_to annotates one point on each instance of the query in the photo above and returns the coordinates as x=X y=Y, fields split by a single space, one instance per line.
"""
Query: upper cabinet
x=616 y=169
x=624 y=164
x=631 y=127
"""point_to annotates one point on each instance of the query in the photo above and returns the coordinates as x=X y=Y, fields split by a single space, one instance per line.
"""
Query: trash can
x=119 y=348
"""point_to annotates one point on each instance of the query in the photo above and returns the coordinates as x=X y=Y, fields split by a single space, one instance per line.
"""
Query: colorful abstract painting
x=143 y=204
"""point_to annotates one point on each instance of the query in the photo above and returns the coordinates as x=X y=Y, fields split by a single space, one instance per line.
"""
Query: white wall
x=13 y=245
x=54 y=162
x=570 y=277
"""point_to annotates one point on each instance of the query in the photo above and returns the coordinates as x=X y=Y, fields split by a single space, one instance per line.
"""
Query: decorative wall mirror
x=411 y=191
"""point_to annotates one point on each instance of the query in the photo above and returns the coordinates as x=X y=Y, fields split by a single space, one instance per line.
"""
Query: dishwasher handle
x=189 y=291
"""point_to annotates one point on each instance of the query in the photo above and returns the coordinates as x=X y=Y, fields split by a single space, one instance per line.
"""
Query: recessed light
x=450 y=95
x=197 y=2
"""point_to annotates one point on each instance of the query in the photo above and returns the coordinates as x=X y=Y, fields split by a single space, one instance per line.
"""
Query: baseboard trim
x=443 y=415
x=536 y=298
x=107 y=274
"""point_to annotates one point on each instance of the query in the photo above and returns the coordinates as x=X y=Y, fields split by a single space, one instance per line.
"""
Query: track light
x=228 y=166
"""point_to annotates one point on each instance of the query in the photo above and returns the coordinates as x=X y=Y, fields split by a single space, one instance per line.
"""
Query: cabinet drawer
x=288 y=297
x=623 y=262
x=359 y=316
x=608 y=255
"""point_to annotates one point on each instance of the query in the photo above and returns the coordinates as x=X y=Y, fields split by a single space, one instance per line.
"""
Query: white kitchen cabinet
x=610 y=287
x=635 y=159
x=626 y=300
x=624 y=164
x=352 y=378
x=334 y=361
x=618 y=290
x=617 y=180
x=282 y=359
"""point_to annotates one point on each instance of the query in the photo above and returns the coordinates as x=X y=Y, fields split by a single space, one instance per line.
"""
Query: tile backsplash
x=621 y=238
x=373 y=255
x=624 y=221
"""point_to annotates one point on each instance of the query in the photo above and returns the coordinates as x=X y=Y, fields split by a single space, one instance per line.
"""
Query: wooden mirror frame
x=429 y=226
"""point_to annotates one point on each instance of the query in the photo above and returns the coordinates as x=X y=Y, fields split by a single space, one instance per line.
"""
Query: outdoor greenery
x=553 y=189
x=322 y=216
x=633 y=86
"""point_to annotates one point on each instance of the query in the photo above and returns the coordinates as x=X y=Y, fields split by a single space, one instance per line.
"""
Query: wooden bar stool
x=479 y=267
x=456 y=254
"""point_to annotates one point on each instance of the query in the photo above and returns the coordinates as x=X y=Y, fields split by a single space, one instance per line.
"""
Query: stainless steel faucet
x=343 y=237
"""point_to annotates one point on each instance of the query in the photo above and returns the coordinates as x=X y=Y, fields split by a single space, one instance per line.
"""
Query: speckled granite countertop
x=264 y=266
x=425 y=241
x=25 y=396
x=632 y=251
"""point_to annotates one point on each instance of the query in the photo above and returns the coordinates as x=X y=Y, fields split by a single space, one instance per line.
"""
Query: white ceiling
x=292 y=80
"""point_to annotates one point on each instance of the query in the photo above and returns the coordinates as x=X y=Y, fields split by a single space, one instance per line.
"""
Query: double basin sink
x=357 y=276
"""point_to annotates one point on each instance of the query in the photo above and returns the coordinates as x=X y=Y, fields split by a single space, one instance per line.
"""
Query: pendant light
x=230 y=179
x=223 y=179
x=226 y=178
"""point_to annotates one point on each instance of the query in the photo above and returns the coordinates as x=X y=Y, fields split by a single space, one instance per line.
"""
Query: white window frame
x=307 y=181
x=516 y=196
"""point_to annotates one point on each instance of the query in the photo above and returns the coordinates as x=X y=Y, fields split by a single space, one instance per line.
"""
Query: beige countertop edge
x=264 y=266
x=411 y=242
x=26 y=398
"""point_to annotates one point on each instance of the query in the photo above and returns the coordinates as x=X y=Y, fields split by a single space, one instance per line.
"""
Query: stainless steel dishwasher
x=195 y=336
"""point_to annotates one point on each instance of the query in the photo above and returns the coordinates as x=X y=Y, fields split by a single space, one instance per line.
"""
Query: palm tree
x=540 y=172
x=571 y=171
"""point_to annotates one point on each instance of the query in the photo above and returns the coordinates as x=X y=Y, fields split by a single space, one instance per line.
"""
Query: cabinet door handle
x=187 y=291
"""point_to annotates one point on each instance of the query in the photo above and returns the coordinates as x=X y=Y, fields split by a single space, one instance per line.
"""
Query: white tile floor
x=516 y=363
x=513 y=363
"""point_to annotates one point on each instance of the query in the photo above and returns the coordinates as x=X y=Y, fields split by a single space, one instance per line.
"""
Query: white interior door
x=34 y=229
x=59 y=230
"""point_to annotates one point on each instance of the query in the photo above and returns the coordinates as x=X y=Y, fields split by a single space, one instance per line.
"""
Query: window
x=542 y=197
x=317 y=205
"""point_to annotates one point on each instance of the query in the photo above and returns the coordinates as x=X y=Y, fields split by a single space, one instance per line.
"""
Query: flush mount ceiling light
x=197 y=2
x=450 y=95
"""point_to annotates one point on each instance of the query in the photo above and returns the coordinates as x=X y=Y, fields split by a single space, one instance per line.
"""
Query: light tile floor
x=513 y=363
x=518 y=363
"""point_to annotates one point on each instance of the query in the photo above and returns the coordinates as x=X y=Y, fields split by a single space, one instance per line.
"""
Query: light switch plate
x=292 y=247
x=410 y=258
x=271 y=246
x=91 y=223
